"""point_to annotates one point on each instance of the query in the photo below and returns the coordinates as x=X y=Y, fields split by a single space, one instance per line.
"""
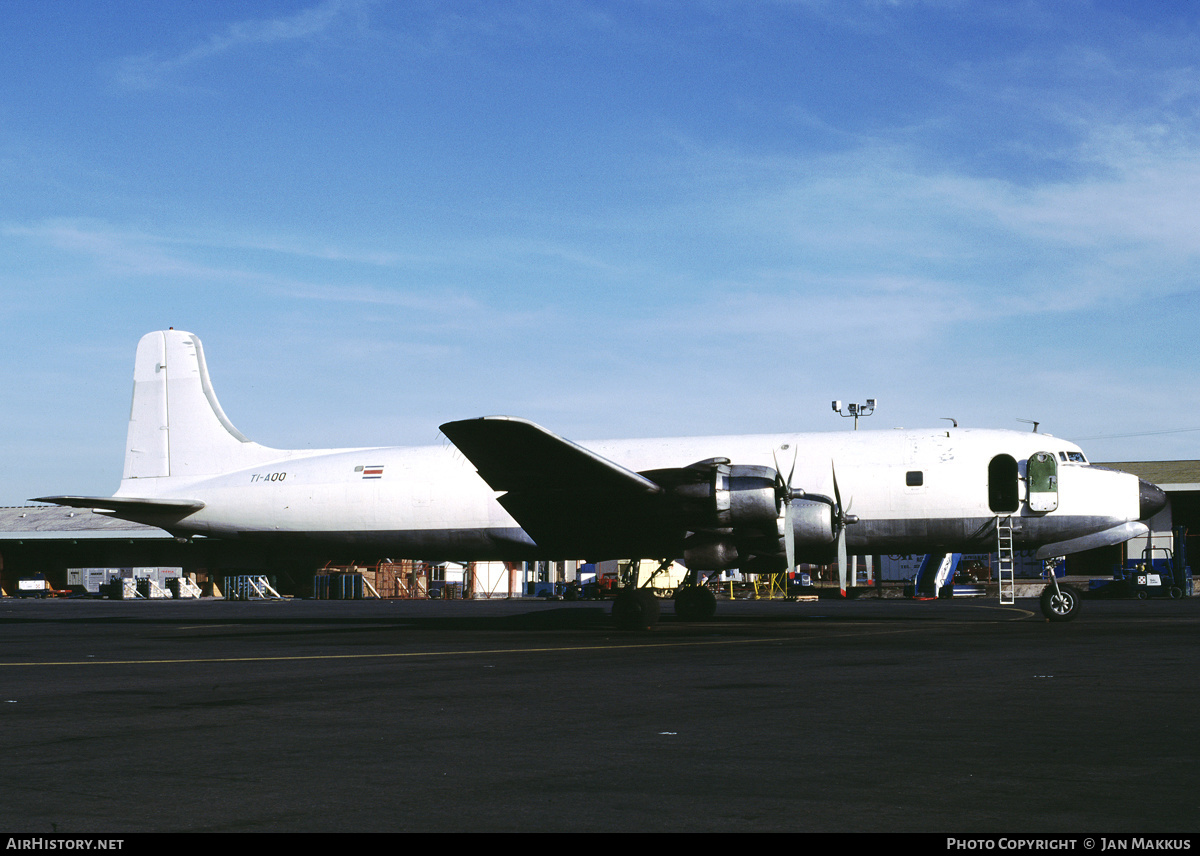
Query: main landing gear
x=637 y=608
x=695 y=603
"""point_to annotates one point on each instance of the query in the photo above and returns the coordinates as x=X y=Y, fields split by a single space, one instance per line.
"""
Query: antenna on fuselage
x=953 y=422
x=1031 y=422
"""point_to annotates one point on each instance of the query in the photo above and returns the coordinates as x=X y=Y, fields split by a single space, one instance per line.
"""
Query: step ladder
x=1004 y=551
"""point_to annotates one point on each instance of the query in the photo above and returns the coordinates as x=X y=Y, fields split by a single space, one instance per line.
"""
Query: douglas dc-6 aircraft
x=508 y=489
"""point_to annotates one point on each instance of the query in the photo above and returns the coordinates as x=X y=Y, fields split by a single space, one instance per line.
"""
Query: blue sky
x=618 y=219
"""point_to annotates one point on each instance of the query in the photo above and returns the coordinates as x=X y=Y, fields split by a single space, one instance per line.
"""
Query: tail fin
x=176 y=425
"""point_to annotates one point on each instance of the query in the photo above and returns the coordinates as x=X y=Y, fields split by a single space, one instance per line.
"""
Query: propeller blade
x=789 y=537
x=841 y=559
x=784 y=495
x=842 y=518
x=841 y=513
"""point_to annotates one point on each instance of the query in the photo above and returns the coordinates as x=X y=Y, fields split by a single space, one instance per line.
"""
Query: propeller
x=784 y=494
x=841 y=518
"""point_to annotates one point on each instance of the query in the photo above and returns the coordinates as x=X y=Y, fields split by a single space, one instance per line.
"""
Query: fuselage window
x=1004 y=495
x=914 y=478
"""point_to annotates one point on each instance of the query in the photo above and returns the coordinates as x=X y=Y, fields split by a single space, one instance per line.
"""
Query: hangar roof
x=1169 y=475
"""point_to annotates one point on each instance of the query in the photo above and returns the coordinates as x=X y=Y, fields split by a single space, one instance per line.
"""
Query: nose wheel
x=1060 y=603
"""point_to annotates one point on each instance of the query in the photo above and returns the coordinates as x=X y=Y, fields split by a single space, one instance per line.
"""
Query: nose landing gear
x=1060 y=603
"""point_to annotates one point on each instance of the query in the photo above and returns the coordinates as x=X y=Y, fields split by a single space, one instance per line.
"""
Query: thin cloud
x=152 y=71
x=112 y=250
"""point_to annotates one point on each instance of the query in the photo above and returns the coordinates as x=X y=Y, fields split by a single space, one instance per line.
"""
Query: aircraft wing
x=567 y=498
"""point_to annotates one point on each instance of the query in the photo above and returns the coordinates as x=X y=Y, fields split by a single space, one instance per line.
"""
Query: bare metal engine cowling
x=734 y=516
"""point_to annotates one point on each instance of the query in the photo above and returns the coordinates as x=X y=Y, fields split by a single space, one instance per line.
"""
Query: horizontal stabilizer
x=126 y=507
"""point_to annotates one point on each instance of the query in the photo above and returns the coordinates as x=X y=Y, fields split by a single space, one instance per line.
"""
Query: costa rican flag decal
x=371 y=472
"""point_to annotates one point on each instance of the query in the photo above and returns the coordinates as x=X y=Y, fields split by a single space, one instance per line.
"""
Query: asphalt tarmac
x=964 y=716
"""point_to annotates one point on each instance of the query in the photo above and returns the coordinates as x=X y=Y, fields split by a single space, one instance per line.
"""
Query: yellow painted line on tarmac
x=689 y=643
x=413 y=654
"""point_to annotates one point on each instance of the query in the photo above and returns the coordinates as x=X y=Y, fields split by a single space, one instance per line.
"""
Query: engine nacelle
x=733 y=495
x=710 y=551
x=812 y=521
x=735 y=515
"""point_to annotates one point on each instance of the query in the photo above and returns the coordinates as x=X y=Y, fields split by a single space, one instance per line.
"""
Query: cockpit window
x=1072 y=457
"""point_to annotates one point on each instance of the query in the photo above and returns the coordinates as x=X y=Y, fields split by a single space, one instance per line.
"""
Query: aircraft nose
x=1151 y=499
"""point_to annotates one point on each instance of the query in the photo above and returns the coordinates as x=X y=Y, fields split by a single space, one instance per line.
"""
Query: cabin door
x=1042 y=476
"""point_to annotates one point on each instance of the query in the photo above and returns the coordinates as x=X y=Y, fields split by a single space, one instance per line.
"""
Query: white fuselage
x=429 y=502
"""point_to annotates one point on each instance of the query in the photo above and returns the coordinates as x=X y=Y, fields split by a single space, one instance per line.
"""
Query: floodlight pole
x=855 y=410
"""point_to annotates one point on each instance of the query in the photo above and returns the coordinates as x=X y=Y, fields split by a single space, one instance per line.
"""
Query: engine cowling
x=812 y=521
x=735 y=496
x=734 y=516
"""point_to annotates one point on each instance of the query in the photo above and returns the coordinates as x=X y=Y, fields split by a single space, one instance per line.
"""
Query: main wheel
x=695 y=603
x=1060 y=605
x=635 y=609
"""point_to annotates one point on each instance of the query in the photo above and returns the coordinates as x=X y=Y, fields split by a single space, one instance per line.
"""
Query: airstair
x=1004 y=551
x=935 y=578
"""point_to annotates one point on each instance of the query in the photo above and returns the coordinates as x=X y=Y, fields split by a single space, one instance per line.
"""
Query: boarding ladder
x=1004 y=551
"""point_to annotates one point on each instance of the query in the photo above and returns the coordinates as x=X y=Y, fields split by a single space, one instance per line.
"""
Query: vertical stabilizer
x=176 y=425
x=146 y=450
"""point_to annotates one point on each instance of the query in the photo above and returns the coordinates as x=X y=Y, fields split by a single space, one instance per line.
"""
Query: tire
x=695 y=603
x=635 y=609
x=1061 y=605
x=1176 y=592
